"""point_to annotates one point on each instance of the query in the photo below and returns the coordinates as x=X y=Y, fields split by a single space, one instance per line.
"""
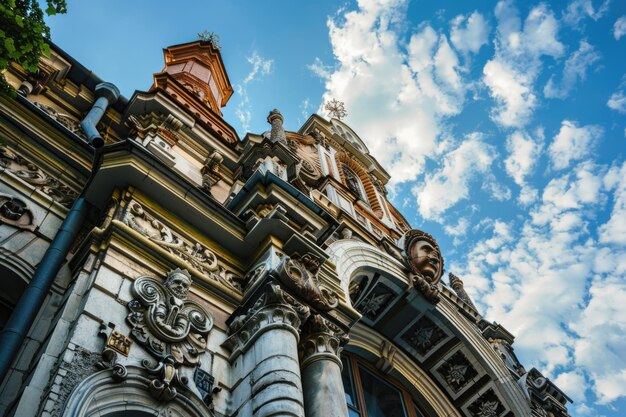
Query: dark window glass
x=348 y=385
x=381 y=399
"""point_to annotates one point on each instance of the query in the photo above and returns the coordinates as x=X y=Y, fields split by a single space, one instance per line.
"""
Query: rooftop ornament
x=211 y=37
x=336 y=109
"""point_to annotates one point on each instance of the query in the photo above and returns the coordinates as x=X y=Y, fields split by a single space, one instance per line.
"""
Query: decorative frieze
x=166 y=322
x=195 y=254
x=33 y=175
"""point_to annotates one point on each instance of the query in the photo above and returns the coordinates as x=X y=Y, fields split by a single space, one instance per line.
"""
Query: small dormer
x=199 y=69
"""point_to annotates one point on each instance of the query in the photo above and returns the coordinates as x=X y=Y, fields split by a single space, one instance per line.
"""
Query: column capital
x=321 y=339
x=273 y=309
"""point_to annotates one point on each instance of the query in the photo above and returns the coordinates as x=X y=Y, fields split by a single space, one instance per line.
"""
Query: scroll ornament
x=299 y=274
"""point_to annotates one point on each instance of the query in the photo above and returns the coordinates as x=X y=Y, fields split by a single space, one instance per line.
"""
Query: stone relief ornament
x=195 y=254
x=299 y=274
x=487 y=405
x=116 y=343
x=423 y=336
x=15 y=212
x=163 y=387
x=33 y=175
x=424 y=260
x=211 y=171
x=166 y=322
x=457 y=371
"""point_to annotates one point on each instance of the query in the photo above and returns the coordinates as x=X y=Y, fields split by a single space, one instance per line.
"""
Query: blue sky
x=503 y=125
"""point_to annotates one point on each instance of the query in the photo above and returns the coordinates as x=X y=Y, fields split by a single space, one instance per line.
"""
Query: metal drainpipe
x=107 y=94
x=27 y=308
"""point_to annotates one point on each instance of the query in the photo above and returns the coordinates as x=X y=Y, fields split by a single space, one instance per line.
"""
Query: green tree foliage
x=24 y=35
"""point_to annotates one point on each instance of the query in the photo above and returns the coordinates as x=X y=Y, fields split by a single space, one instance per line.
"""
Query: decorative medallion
x=457 y=371
x=166 y=322
x=375 y=302
x=487 y=405
x=423 y=336
x=299 y=274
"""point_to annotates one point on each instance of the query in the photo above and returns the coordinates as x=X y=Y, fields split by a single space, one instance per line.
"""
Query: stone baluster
x=321 y=368
x=264 y=356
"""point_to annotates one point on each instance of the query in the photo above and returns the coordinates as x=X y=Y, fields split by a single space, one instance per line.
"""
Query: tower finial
x=210 y=37
x=277 y=133
x=336 y=109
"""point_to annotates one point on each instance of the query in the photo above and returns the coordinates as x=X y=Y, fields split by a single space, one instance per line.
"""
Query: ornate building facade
x=155 y=264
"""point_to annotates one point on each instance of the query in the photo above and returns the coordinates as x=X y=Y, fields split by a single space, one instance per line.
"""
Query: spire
x=457 y=286
x=278 y=133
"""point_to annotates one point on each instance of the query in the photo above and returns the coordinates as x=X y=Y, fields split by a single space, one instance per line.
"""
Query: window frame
x=353 y=361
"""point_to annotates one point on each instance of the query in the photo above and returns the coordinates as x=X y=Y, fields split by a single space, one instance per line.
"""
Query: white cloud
x=619 y=28
x=496 y=190
x=450 y=184
x=554 y=286
x=573 y=143
x=524 y=153
x=617 y=101
x=260 y=67
x=575 y=70
x=410 y=88
x=580 y=9
x=513 y=92
x=469 y=34
x=614 y=230
x=511 y=74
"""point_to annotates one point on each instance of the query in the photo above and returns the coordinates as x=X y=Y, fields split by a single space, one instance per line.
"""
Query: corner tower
x=198 y=68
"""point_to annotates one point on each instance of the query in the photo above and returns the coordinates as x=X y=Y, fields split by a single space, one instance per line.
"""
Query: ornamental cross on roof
x=336 y=109
x=211 y=37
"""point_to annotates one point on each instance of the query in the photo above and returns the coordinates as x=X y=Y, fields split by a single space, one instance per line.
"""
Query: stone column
x=321 y=369
x=264 y=358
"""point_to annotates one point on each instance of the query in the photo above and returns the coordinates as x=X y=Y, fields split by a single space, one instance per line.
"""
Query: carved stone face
x=425 y=260
x=178 y=284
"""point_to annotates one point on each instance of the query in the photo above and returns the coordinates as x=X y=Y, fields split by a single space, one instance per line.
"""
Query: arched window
x=371 y=394
x=354 y=183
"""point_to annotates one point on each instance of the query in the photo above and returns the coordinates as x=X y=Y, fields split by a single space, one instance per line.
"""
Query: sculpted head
x=423 y=255
x=178 y=282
